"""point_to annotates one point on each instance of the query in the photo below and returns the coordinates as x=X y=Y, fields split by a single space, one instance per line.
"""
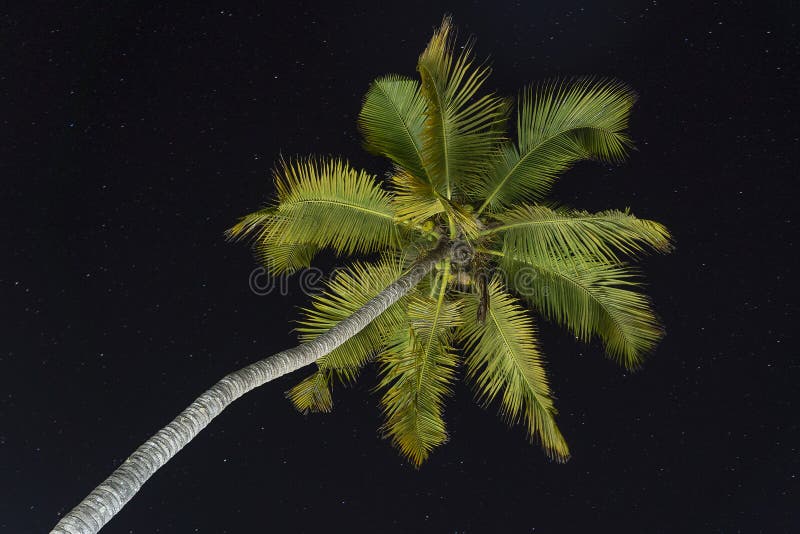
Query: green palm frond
x=344 y=293
x=284 y=257
x=415 y=201
x=278 y=257
x=503 y=360
x=590 y=298
x=417 y=370
x=433 y=318
x=251 y=224
x=533 y=231
x=461 y=130
x=327 y=203
x=413 y=416
x=313 y=394
x=558 y=123
x=392 y=119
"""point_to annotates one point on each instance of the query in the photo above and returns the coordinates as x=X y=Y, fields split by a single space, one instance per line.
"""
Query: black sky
x=133 y=134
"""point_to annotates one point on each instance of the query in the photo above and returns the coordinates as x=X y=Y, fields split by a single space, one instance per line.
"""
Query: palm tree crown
x=457 y=177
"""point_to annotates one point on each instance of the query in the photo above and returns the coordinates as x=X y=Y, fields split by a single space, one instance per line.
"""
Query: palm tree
x=452 y=253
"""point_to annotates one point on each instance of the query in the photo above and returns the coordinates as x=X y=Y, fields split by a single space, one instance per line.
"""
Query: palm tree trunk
x=109 y=497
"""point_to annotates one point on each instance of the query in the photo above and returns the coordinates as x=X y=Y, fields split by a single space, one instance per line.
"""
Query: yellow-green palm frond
x=413 y=414
x=278 y=257
x=433 y=317
x=461 y=129
x=466 y=224
x=415 y=201
x=327 y=203
x=590 y=298
x=392 y=119
x=558 y=123
x=503 y=360
x=533 y=231
x=344 y=293
x=251 y=224
x=321 y=203
x=417 y=370
x=284 y=257
x=313 y=393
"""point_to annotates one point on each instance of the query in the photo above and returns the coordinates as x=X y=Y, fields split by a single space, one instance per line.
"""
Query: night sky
x=133 y=135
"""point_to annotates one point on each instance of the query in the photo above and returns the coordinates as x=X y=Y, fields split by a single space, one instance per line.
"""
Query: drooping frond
x=433 y=318
x=414 y=423
x=313 y=393
x=344 y=293
x=590 y=298
x=558 y=123
x=461 y=129
x=327 y=203
x=392 y=119
x=533 y=231
x=503 y=360
x=416 y=372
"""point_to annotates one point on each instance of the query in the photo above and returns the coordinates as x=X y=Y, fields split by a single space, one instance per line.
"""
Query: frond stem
x=439 y=303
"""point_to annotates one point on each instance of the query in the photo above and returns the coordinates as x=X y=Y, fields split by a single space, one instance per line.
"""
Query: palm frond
x=415 y=201
x=503 y=360
x=344 y=293
x=417 y=369
x=539 y=231
x=251 y=224
x=433 y=318
x=461 y=130
x=284 y=257
x=278 y=257
x=590 y=298
x=313 y=393
x=558 y=123
x=327 y=203
x=392 y=119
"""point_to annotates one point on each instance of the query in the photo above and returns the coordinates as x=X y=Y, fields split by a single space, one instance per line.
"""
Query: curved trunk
x=111 y=495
